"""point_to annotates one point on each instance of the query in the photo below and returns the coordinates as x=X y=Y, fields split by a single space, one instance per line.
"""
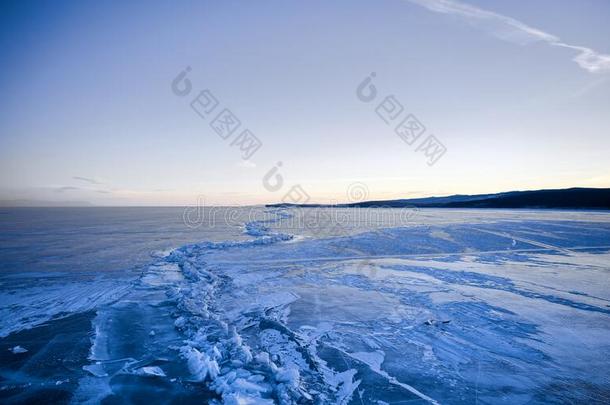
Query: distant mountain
x=571 y=198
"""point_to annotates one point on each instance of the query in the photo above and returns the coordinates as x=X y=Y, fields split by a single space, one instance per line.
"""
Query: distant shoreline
x=571 y=198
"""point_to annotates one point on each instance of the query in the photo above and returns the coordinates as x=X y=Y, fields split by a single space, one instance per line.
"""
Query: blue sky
x=517 y=92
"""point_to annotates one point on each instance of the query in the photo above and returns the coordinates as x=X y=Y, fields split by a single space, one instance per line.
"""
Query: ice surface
x=472 y=306
x=24 y=308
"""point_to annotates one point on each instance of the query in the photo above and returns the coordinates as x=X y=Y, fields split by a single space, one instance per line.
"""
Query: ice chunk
x=18 y=350
x=199 y=364
x=180 y=322
x=96 y=369
x=153 y=371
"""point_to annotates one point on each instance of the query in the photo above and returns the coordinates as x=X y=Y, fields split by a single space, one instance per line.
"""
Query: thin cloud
x=509 y=29
x=87 y=180
x=66 y=188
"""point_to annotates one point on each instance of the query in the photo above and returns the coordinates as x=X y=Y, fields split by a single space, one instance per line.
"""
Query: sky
x=507 y=95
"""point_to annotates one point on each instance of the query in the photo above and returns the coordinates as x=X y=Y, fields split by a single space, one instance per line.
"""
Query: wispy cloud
x=509 y=29
x=66 y=188
x=88 y=180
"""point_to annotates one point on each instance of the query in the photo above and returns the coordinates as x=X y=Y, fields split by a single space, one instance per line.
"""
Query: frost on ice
x=483 y=308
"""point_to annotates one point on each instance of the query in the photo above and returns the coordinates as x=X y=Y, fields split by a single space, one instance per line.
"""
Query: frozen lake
x=352 y=306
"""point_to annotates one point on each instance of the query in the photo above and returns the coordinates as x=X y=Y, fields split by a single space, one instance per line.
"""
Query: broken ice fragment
x=152 y=371
x=96 y=369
